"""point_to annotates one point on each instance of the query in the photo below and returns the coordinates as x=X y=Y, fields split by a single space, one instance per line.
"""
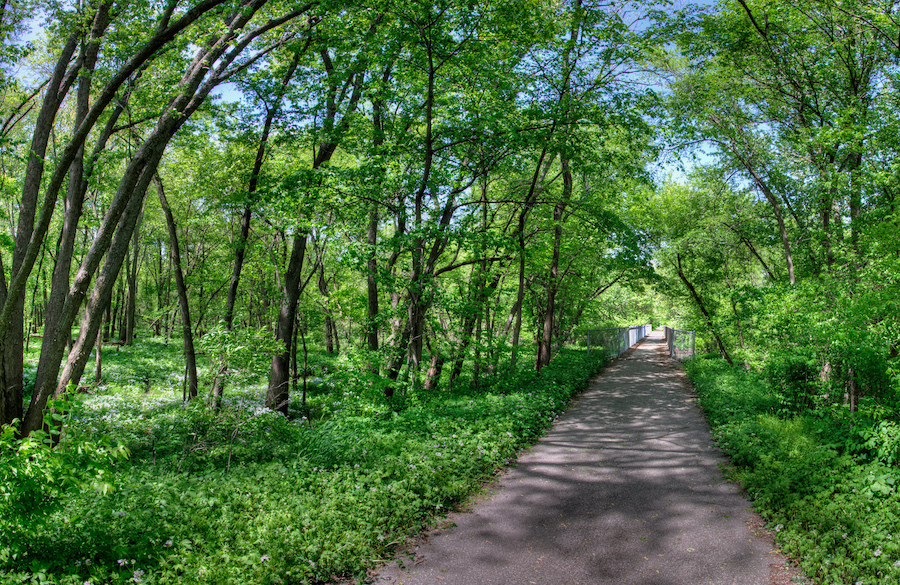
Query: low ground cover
x=245 y=495
x=824 y=479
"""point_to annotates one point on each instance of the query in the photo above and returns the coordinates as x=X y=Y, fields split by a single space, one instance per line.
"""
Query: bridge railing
x=615 y=340
x=681 y=343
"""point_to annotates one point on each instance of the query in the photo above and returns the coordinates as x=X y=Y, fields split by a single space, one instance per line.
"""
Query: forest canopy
x=410 y=184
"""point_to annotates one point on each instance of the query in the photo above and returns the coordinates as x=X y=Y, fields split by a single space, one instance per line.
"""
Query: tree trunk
x=241 y=244
x=544 y=352
x=98 y=365
x=534 y=189
x=158 y=325
x=295 y=371
x=433 y=375
x=371 y=282
x=776 y=207
x=14 y=303
x=131 y=273
x=278 y=394
x=709 y=321
x=183 y=305
x=372 y=321
x=330 y=328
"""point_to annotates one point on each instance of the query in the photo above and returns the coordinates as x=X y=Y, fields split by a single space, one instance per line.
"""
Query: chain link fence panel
x=680 y=343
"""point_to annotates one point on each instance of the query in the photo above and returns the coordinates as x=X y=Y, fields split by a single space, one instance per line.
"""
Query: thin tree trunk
x=159 y=323
x=329 y=313
x=167 y=297
x=702 y=307
x=372 y=323
x=534 y=189
x=241 y=244
x=734 y=310
x=183 y=305
x=371 y=282
x=433 y=375
x=295 y=371
x=98 y=365
x=776 y=207
x=131 y=273
x=417 y=286
x=544 y=352
x=753 y=251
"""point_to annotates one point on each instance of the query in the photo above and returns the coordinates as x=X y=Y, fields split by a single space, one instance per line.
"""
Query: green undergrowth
x=246 y=495
x=824 y=479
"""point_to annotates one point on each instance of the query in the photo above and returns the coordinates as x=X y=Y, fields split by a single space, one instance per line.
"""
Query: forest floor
x=626 y=487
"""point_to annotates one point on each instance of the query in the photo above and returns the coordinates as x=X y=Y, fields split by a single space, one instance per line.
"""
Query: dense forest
x=260 y=258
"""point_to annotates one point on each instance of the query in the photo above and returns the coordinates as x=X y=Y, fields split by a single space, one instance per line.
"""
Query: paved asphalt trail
x=625 y=488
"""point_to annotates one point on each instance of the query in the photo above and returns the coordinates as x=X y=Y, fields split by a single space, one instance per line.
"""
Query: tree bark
x=12 y=319
x=115 y=231
x=241 y=244
x=278 y=393
x=544 y=352
x=371 y=282
x=433 y=375
x=702 y=307
x=322 y=283
x=132 y=267
x=180 y=286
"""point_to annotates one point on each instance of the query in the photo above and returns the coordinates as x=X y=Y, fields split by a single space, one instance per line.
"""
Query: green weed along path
x=625 y=488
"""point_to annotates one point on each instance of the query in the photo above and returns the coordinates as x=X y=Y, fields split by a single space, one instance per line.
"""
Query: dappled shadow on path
x=625 y=488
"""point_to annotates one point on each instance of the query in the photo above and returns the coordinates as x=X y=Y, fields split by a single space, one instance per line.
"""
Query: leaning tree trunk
x=13 y=320
x=183 y=306
x=241 y=245
x=702 y=306
x=113 y=235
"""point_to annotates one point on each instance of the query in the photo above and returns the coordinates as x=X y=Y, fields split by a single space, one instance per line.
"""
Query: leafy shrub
x=35 y=477
x=867 y=367
x=793 y=377
x=246 y=354
x=879 y=441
